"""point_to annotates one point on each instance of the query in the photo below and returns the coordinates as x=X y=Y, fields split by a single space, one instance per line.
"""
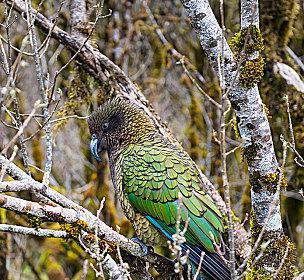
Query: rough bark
x=253 y=127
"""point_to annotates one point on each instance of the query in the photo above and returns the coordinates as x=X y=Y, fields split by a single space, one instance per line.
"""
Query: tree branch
x=250 y=115
x=33 y=231
x=252 y=120
x=108 y=73
x=67 y=211
x=42 y=90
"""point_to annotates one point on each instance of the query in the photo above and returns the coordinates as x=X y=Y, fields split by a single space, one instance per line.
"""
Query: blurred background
x=129 y=38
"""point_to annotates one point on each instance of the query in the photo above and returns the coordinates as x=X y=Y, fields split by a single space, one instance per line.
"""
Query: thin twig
x=199 y=266
x=69 y=117
x=33 y=231
x=98 y=17
x=4 y=61
x=234 y=149
x=40 y=78
x=21 y=137
x=225 y=108
x=85 y=267
x=281 y=263
x=290 y=122
x=21 y=129
x=292 y=145
x=182 y=62
x=7 y=14
x=41 y=126
x=177 y=55
x=295 y=57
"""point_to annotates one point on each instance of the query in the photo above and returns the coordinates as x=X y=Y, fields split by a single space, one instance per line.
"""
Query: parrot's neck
x=115 y=161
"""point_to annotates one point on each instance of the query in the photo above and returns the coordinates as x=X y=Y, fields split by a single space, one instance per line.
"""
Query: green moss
x=254 y=228
x=251 y=72
x=277 y=247
x=235 y=128
x=90 y=238
x=34 y=222
x=244 y=43
x=159 y=59
x=71 y=230
x=277 y=21
x=257 y=274
x=283 y=250
x=248 y=40
x=108 y=89
x=266 y=111
x=235 y=221
x=82 y=224
x=273 y=179
x=268 y=182
x=74 y=230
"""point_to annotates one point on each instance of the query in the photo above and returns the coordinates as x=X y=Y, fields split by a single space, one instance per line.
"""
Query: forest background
x=155 y=45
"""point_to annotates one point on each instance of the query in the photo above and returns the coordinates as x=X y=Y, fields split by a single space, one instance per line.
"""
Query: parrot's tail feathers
x=212 y=267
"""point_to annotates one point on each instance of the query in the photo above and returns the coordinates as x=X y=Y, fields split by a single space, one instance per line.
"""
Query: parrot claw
x=144 y=247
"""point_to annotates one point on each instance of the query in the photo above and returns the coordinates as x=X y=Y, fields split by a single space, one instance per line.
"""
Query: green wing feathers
x=154 y=174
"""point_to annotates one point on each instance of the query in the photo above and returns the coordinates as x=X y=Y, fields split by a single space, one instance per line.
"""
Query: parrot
x=157 y=184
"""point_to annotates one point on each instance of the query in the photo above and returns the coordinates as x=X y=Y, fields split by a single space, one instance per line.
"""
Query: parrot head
x=115 y=124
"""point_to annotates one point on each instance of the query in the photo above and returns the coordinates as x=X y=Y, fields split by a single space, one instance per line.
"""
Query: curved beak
x=95 y=148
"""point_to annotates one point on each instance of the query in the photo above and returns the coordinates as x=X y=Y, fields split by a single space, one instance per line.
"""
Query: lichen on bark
x=248 y=40
x=273 y=244
x=244 y=44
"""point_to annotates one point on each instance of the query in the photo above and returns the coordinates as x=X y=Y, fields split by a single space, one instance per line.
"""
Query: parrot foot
x=144 y=247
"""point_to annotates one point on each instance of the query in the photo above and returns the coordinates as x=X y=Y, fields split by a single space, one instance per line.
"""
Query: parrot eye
x=105 y=126
x=94 y=136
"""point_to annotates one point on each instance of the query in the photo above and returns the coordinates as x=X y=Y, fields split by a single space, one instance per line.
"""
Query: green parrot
x=157 y=184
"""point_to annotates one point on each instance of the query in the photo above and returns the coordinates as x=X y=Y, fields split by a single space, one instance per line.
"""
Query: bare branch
x=21 y=137
x=182 y=61
x=85 y=267
x=249 y=13
x=292 y=145
x=199 y=265
x=251 y=117
x=69 y=212
x=295 y=57
x=43 y=93
x=21 y=129
x=33 y=231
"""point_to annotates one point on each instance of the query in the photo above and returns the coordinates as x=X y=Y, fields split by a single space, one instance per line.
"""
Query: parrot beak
x=95 y=148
